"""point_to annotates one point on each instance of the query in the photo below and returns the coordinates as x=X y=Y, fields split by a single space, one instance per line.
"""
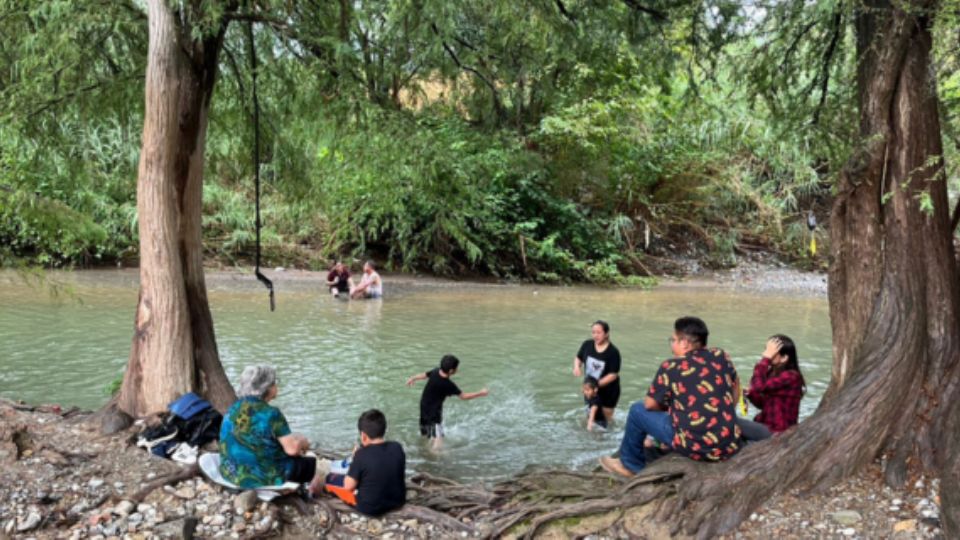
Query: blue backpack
x=189 y=405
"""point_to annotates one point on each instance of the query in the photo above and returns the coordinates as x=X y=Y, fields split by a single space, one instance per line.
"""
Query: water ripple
x=337 y=358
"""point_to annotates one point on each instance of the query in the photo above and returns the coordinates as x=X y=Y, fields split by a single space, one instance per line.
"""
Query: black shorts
x=303 y=470
x=432 y=431
x=609 y=396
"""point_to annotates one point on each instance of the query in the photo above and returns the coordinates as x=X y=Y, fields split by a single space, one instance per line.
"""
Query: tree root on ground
x=184 y=474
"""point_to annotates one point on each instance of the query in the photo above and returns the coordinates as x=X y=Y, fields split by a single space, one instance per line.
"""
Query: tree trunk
x=174 y=349
x=894 y=298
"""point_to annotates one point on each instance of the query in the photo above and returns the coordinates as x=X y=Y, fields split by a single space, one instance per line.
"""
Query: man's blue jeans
x=640 y=423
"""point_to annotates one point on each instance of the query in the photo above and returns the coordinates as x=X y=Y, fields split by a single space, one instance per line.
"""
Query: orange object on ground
x=345 y=495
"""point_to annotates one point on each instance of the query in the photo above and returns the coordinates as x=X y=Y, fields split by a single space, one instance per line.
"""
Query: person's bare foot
x=614 y=465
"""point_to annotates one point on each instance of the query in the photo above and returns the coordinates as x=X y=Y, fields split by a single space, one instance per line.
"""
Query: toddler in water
x=595 y=416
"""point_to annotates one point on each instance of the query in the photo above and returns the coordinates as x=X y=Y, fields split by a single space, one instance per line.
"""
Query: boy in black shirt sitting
x=375 y=483
x=438 y=387
x=591 y=396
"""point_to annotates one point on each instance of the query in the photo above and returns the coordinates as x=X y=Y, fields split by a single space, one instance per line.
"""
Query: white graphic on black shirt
x=595 y=367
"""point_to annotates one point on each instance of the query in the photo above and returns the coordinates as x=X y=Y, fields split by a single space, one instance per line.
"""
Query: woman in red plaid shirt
x=777 y=386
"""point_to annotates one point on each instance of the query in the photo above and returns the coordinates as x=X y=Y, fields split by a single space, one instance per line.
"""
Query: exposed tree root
x=185 y=474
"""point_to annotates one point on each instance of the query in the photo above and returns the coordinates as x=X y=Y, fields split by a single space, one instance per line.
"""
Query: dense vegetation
x=544 y=140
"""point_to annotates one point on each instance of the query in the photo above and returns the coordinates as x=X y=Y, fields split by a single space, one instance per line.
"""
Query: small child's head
x=449 y=364
x=590 y=387
x=372 y=425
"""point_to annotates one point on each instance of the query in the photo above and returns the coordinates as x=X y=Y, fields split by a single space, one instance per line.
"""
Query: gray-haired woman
x=257 y=447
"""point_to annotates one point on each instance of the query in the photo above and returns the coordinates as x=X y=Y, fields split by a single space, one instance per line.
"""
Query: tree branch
x=655 y=14
x=563 y=11
x=257 y=17
x=827 y=60
x=82 y=90
x=794 y=43
x=453 y=55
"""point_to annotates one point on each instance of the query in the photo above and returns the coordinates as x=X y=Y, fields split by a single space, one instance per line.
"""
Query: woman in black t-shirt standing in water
x=600 y=359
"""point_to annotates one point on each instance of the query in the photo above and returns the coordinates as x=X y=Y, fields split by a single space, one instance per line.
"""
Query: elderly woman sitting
x=256 y=445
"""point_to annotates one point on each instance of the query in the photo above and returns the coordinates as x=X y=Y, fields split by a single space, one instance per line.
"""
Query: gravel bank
x=60 y=479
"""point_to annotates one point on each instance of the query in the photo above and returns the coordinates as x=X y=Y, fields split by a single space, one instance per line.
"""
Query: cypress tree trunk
x=894 y=299
x=174 y=349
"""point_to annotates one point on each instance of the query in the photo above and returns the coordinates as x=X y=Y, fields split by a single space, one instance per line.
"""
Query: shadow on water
x=337 y=358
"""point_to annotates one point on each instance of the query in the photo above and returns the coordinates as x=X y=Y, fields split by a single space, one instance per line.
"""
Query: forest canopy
x=544 y=140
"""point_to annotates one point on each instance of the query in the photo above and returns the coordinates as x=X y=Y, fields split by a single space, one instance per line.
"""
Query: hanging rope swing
x=256 y=161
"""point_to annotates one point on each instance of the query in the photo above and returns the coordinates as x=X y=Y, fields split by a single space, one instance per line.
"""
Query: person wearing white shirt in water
x=371 y=286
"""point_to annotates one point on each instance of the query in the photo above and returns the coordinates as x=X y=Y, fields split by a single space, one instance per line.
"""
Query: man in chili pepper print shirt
x=691 y=404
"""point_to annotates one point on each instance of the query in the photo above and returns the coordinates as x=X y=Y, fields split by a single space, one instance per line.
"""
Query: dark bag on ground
x=191 y=421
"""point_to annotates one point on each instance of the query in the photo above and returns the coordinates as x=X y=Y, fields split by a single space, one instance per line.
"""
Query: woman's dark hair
x=693 y=328
x=449 y=363
x=591 y=382
x=602 y=324
x=373 y=424
x=789 y=348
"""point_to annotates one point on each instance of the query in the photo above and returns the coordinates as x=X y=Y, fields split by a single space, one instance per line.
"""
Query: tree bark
x=894 y=299
x=174 y=349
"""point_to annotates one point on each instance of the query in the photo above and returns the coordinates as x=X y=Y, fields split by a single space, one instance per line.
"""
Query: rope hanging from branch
x=256 y=161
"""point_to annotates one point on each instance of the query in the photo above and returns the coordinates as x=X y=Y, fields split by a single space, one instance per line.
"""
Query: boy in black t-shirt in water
x=438 y=387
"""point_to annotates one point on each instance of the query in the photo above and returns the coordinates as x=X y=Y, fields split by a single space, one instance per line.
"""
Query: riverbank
x=753 y=277
x=59 y=478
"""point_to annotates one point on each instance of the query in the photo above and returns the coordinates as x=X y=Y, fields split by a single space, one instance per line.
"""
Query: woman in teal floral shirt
x=256 y=445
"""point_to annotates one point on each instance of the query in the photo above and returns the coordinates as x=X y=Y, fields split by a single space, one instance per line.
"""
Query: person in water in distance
x=600 y=359
x=438 y=388
x=371 y=286
x=338 y=280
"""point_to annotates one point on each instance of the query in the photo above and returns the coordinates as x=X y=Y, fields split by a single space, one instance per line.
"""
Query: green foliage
x=510 y=139
x=113 y=387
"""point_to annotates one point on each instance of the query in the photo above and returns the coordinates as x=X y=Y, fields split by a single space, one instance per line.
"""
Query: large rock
x=114 y=421
x=186 y=492
x=245 y=502
x=846 y=517
x=124 y=508
x=29 y=523
x=907 y=525
x=182 y=528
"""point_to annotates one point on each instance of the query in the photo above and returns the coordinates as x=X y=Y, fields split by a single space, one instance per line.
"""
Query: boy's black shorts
x=432 y=431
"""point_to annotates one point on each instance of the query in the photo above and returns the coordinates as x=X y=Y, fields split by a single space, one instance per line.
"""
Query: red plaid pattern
x=776 y=395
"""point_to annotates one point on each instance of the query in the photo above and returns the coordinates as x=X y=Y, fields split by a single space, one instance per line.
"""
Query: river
x=336 y=358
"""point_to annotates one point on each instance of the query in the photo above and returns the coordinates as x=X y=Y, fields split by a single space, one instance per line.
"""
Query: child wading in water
x=591 y=397
x=438 y=387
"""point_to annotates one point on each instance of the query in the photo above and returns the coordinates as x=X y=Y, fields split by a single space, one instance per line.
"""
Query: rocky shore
x=61 y=479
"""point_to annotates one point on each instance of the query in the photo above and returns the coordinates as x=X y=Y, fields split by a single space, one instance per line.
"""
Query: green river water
x=336 y=358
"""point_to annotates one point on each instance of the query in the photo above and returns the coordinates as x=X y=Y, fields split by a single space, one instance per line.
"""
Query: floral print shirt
x=250 y=453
